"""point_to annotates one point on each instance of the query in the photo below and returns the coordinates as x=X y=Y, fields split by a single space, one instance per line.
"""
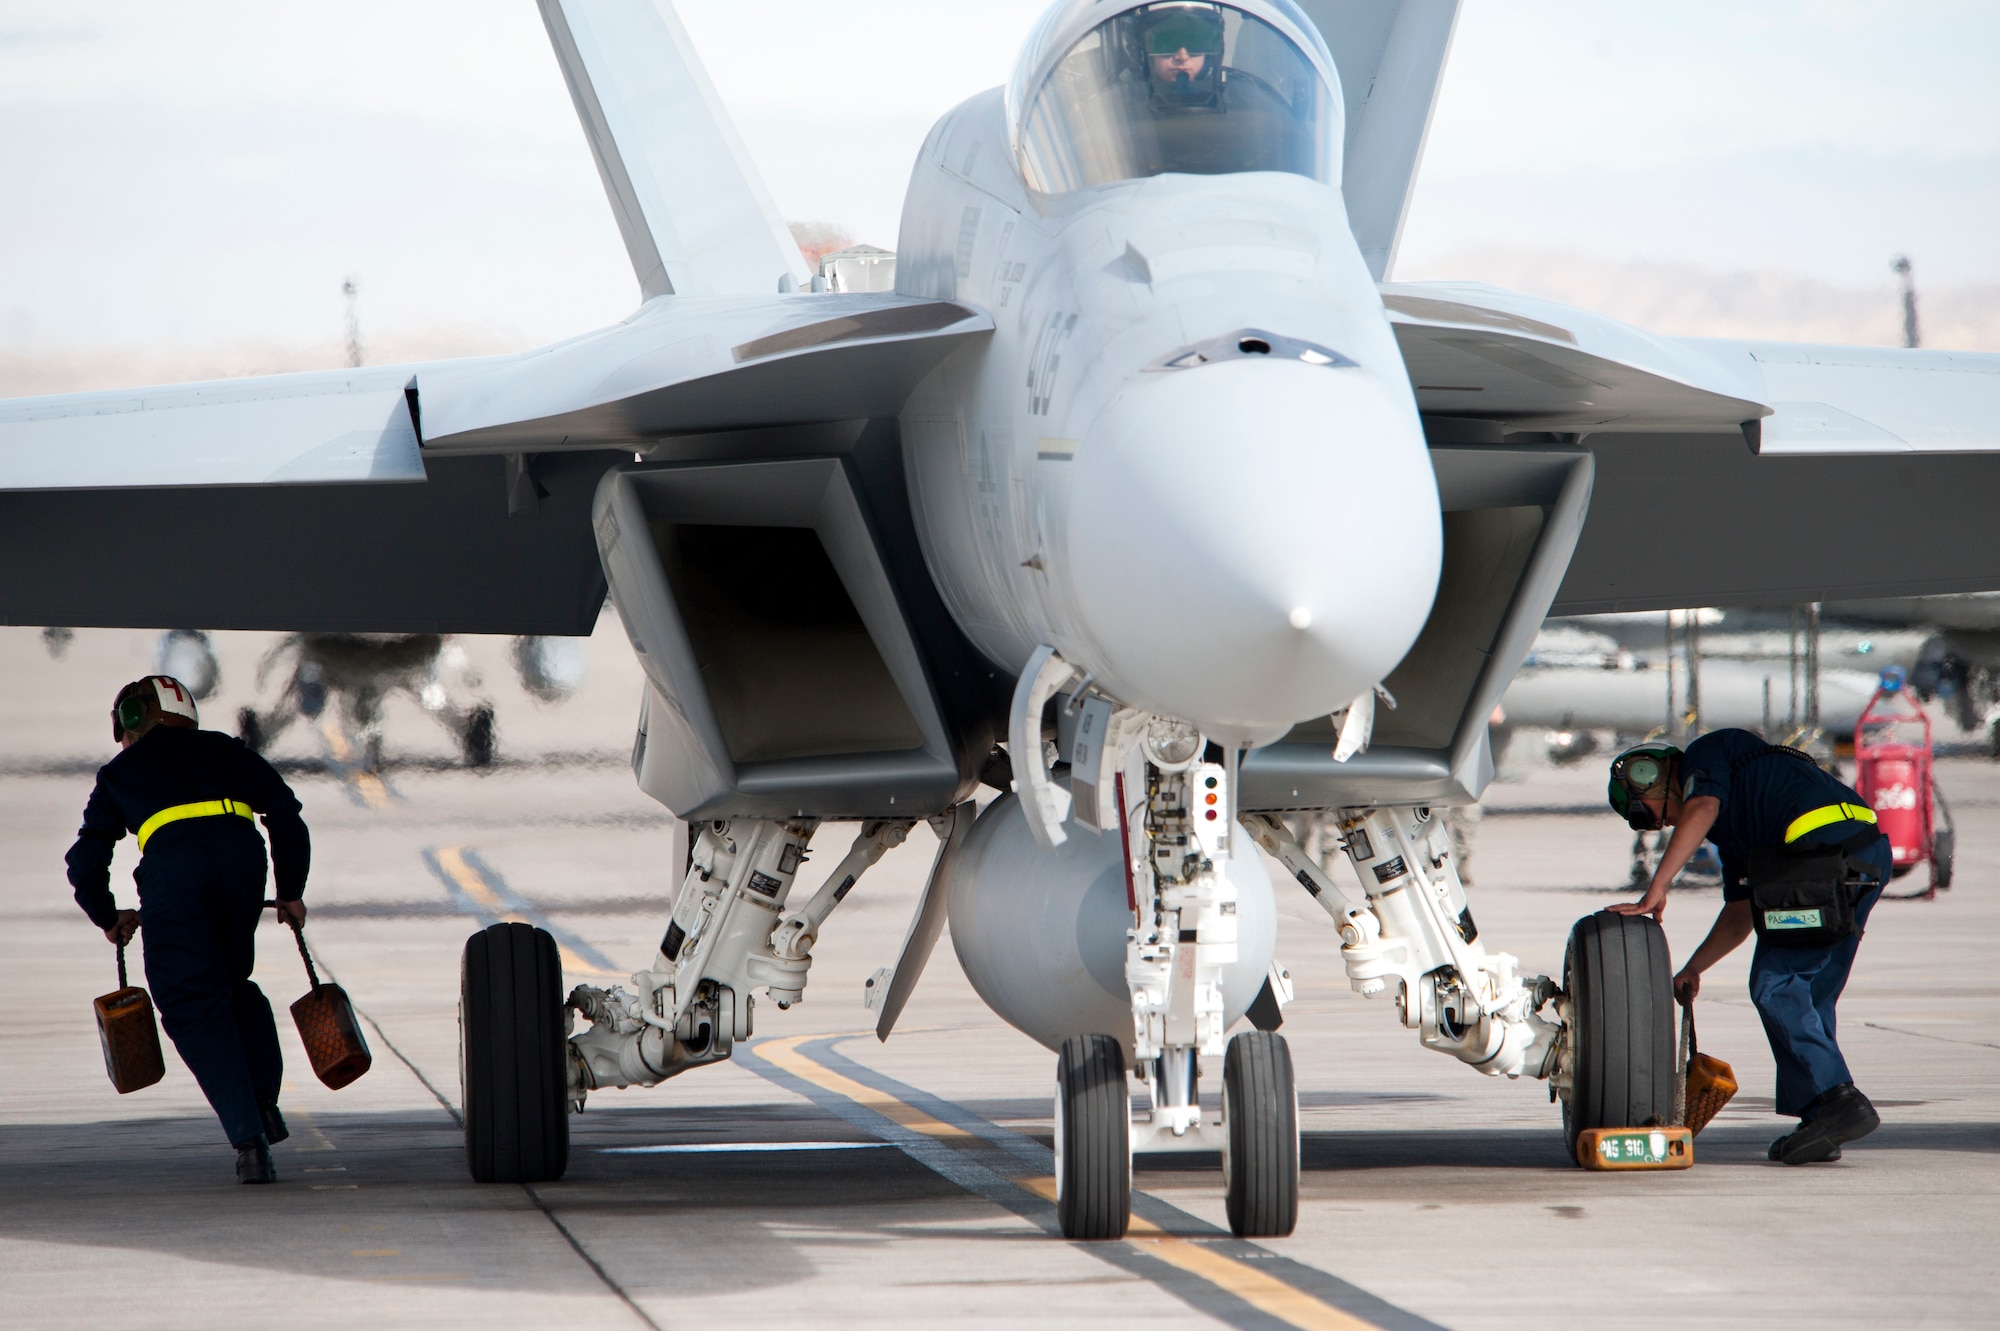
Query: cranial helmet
x=145 y=702
x=1165 y=30
x=1640 y=771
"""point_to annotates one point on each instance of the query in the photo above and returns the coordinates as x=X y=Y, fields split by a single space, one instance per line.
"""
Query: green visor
x=1198 y=32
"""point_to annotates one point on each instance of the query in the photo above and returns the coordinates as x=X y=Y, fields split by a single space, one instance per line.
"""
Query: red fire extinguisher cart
x=1893 y=774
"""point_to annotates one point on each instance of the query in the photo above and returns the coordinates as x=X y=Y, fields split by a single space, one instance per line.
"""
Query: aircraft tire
x=250 y=727
x=1260 y=1164
x=1093 y=1139
x=513 y=1056
x=1621 y=1038
x=478 y=739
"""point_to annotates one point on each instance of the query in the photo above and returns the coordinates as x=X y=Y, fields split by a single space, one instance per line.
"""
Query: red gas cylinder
x=1892 y=765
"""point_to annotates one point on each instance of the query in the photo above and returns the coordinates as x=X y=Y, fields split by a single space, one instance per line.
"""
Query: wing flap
x=1831 y=400
x=296 y=429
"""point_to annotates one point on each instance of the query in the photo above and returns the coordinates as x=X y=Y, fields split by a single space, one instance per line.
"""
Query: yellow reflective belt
x=1832 y=813
x=202 y=809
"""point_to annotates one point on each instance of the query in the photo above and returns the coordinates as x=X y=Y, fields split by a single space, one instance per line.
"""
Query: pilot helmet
x=1167 y=30
x=145 y=702
x=1640 y=771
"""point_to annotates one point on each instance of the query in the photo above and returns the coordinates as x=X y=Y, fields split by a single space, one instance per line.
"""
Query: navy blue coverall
x=1795 y=988
x=201 y=893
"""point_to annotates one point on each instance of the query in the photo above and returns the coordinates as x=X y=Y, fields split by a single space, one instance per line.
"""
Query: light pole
x=1901 y=267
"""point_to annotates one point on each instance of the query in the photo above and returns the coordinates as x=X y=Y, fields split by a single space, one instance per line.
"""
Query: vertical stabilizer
x=696 y=218
x=1391 y=56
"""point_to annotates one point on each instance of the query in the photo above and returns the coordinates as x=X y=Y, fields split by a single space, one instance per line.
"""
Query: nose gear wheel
x=1260 y=1165
x=1093 y=1139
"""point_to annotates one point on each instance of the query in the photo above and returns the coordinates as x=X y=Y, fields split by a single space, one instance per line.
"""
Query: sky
x=209 y=172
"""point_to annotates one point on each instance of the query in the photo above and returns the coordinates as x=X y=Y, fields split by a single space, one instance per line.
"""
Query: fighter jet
x=1142 y=494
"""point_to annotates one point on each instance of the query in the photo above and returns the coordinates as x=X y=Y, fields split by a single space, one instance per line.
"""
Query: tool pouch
x=328 y=1027
x=1803 y=896
x=130 y=1036
x=1709 y=1083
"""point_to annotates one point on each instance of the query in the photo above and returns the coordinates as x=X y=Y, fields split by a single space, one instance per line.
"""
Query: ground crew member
x=1732 y=788
x=188 y=796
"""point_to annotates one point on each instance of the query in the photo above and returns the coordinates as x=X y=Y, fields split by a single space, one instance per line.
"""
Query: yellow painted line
x=452 y=860
x=373 y=792
x=1261 y=1291
x=784 y=1053
x=302 y=1124
x=1254 y=1287
x=572 y=962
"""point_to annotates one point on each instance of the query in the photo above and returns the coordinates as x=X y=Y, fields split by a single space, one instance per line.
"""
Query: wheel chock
x=1635 y=1148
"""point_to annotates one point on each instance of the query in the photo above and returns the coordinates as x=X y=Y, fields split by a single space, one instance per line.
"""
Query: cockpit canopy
x=1184 y=86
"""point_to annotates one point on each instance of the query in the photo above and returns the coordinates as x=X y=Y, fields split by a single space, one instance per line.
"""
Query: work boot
x=1842 y=1114
x=275 y=1130
x=253 y=1162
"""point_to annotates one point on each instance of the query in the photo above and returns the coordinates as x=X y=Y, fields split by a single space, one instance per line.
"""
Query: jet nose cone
x=1253 y=543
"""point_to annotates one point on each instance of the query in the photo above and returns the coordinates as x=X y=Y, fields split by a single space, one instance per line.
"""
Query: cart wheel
x=512 y=1056
x=1093 y=1139
x=1941 y=852
x=1260 y=1163
x=1944 y=840
x=1621 y=1038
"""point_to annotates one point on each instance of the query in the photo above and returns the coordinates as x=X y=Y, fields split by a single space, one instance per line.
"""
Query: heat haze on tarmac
x=826 y=1179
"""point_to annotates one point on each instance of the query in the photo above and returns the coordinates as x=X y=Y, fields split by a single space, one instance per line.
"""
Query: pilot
x=1183 y=46
x=1735 y=790
x=188 y=795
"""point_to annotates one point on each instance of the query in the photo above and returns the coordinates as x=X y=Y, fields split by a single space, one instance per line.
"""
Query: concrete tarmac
x=826 y=1179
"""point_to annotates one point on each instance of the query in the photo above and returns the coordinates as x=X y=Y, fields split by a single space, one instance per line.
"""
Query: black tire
x=478 y=740
x=1944 y=841
x=1260 y=1105
x=1093 y=1139
x=513 y=1063
x=1621 y=1037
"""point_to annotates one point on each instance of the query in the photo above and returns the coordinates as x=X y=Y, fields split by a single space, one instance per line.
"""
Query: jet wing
x=1868 y=472
x=1390 y=54
x=223 y=504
